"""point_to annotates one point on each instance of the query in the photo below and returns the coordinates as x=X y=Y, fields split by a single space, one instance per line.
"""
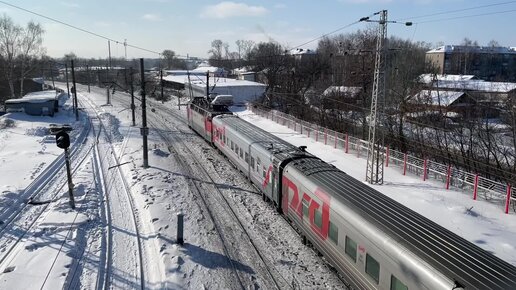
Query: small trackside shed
x=43 y=103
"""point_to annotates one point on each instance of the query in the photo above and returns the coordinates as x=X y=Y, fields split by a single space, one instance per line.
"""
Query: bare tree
x=493 y=43
x=10 y=35
x=244 y=48
x=217 y=47
x=268 y=57
x=169 y=56
x=30 y=49
x=227 y=53
x=19 y=49
x=69 y=56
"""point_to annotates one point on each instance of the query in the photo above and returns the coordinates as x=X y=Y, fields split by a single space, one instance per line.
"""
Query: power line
x=80 y=29
x=326 y=34
x=468 y=16
x=458 y=10
x=331 y=32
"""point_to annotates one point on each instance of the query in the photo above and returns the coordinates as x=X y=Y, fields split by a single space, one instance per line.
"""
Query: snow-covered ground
x=71 y=248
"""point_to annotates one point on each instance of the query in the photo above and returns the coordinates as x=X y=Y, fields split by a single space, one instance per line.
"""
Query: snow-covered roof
x=429 y=78
x=206 y=69
x=466 y=82
x=41 y=94
x=30 y=100
x=83 y=68
x=478 y=85
x=342 y=90
x=243 y=71
x=39 y=80
x=298 y=51
x=436 y=98
x=474 y=49
x=35 y=97
x=182 y=72
x=219 y=81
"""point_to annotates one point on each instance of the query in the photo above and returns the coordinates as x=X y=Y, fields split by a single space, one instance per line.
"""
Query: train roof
x=203 y=104
x=281 y=149
x=456 y=257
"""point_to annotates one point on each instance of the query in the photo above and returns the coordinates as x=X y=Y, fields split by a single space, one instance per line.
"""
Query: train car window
x=333 y=233
x=258 y=162
x=232 y=146
x=318 y=218
x=246 y=158
x=264 y=171
x=241 y=153
x=305 y=208
x=236 y=149
x=351 y=249
x=397 y=284
x=252 y=163
x=372 y=267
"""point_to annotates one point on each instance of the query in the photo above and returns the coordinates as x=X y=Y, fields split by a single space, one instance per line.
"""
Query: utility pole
x=208 y=85
x=133 y=107
x=374 y=173
x=74 y=92
x=66 y=76
x=144 y=130
x=375 y=157
x=109 y=51
x=52 y=76
x=125 y=49
x=108 y=99
x=88 y=71
x=161 y=83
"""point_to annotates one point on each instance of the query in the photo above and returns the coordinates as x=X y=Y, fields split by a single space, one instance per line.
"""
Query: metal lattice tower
x=374 y=173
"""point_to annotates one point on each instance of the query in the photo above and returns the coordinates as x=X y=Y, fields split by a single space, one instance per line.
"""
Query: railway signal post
x=63 y=142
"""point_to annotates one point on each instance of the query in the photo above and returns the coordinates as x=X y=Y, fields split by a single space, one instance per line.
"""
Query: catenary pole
x=67 y=84
x=75 y=93
x=144 y=129
x=133 y=107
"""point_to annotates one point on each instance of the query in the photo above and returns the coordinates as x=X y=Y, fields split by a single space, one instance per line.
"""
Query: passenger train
x=373 y=241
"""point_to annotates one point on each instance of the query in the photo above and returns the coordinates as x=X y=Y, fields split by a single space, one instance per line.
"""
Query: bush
x=7 y=123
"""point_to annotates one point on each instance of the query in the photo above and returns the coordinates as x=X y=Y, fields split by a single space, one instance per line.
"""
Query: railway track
x=120 y=269
x=226 y=222
x=20 y=219
x=283 y=265
x=286 y=272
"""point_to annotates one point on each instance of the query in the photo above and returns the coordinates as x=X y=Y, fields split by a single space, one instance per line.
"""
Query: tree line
x=298 y=84
x=21 y=52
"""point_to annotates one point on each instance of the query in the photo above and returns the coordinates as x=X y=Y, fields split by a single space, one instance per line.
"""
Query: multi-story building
x=485 y=62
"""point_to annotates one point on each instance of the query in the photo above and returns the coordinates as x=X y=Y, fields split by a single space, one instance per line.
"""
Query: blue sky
x=188 y=27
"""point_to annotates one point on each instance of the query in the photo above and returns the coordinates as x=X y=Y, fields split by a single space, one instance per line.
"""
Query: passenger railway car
x=373 y=241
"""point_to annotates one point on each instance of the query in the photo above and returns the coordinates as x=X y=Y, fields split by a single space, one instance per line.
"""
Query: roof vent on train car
x=302 y=148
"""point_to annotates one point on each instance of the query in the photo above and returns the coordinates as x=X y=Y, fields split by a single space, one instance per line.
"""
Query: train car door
x=274 y=177
x=207 y=126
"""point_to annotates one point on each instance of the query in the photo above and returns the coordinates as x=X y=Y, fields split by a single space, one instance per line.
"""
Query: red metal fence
x=451 y=176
